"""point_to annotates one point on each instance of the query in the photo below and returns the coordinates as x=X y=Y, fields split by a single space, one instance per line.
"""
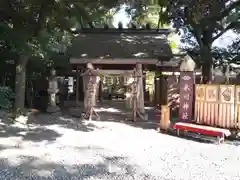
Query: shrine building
x=122 y=49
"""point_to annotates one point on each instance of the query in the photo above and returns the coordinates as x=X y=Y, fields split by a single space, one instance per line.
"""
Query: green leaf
x=173 y=45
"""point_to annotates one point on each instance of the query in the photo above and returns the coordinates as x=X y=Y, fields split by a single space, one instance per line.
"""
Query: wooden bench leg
x=220 y=139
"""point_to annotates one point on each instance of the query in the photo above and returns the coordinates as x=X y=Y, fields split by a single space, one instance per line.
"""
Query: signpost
x=186 y=96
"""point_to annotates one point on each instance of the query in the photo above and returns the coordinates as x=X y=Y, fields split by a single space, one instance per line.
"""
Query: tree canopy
x=202 y=22
x=34 y=32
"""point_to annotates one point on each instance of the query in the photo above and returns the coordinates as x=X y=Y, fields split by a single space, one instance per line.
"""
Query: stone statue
x=187 y=64
x=52 y=91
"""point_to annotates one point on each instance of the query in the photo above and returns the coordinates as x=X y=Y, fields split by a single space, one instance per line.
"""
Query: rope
x=135 y=111
x=91 y=87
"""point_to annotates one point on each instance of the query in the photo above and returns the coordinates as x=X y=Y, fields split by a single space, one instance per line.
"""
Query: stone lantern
x=52 y=91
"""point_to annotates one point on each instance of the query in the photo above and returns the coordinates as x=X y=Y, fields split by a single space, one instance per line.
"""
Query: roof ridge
x=127 y=31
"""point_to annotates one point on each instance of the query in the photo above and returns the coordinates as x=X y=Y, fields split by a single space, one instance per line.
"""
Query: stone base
x=53 y=109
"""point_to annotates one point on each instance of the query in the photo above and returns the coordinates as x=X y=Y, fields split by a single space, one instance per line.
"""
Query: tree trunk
x=20 y=80
x=207 y=60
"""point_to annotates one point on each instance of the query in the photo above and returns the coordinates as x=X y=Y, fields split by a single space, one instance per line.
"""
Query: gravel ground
x=67 y=150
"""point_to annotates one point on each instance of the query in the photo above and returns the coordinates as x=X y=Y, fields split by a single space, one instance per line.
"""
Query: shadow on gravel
x=38 y=128
x=63 y=120
x=3 y=147
x=116 y=111
x=36 y=134
x=36 y=169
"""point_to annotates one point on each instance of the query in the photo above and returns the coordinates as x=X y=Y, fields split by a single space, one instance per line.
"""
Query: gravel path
x=110 y=150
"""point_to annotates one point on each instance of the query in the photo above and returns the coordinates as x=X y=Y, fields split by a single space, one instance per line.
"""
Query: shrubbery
x=6 y=97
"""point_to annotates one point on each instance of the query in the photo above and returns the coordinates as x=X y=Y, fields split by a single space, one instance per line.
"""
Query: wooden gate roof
x=120 y=44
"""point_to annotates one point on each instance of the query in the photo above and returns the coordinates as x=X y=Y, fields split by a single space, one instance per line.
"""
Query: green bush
x=6 y=97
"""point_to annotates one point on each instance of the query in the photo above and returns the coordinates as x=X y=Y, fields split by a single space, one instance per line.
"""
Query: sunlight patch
x=108 y=110
x=43 y=173
x=66 y=119
x=148 y=108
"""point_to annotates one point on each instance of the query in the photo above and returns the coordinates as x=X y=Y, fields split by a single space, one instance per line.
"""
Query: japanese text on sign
x=186 y=93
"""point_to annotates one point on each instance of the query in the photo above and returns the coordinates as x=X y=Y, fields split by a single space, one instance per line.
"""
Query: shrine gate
x=134 y=50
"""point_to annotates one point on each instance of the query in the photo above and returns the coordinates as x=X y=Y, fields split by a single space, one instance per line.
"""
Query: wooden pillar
x=165 y=118
x=164 y=90
x=81 y=91
x=237 y=79
x=89 y=81
x=77 y=85
x=100 y=90
x=157 y=87
x=98 y=87
x=140 y=95
x=134 y=96
x=160 y=89
x=146 y=95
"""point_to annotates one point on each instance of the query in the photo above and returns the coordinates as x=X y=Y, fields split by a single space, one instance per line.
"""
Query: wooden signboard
x=199 y=103
x=226 y=106
x=211 y=105
x=237 y=107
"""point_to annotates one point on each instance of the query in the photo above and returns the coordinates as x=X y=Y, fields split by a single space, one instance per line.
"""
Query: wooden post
x=165 y=118
x=100 y=89
x=146 y=96
x=157 y=86
x=98 y=86
x=137 y=94
x=134 y=96
x=140 y=95
x=90 y=88
x=77 y=85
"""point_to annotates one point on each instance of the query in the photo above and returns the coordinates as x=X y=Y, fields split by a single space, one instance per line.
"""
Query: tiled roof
x=120 y=45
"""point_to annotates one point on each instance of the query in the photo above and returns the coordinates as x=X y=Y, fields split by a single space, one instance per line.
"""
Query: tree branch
x=220 y=15
x=40 y=20
x=84 y=15
x=230 y=26
x=159 y=18
x=195 y=29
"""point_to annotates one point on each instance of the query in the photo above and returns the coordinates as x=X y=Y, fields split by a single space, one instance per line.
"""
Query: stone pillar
x=52 y=91
x=186 y=89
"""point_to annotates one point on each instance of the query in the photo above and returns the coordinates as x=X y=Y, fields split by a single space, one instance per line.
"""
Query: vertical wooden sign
x=199 y=103
x=226 y=106
x=237 y=107
x=211 y=105
x=186 y=96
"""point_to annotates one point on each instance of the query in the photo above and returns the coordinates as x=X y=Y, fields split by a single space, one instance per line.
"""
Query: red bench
x=204 y=130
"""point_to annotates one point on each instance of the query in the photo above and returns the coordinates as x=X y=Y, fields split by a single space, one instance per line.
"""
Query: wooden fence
x=218 y=105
